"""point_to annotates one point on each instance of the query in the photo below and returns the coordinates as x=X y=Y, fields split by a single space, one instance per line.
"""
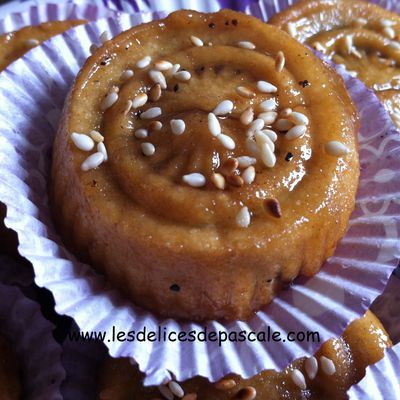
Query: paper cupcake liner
x=382 y=380
x=326 y=303
x=45 y=12
x=31 y=338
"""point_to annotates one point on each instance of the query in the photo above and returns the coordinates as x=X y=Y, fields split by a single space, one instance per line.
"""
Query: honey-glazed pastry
x=10 y=384
x=328 y=375
x=202 y=171
x=362 y=36
x=15 y=44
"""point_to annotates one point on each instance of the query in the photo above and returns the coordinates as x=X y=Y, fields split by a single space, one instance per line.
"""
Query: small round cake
x=357 y=34
x=203 y=161
x=15 y=44
x=10 y=385
x=328 y=375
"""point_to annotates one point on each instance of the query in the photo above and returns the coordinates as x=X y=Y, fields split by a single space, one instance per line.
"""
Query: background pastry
x=339 y=364
x=200 y=174
x=357 y=34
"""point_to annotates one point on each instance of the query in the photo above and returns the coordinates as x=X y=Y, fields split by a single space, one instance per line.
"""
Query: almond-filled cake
x=10 y=384
x=328 y=375
x=361 y=36
x=203 y=161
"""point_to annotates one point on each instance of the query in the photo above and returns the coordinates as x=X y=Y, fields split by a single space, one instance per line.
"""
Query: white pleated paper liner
x=32 y=92
x=46 y=12
x=382 y=380
x=30 y=335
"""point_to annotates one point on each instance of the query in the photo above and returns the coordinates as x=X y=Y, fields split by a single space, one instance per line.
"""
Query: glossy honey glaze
x=372 y=51
x=145 y=222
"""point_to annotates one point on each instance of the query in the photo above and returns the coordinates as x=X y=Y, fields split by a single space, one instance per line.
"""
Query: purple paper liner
x=382 y=380
x=31 y=337
x=37 y=84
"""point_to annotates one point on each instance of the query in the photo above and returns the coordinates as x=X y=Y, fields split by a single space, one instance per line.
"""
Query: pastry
x=15 y=44
x=10 y=385
x=203 y=171
x=359 y=35
x=339 y=364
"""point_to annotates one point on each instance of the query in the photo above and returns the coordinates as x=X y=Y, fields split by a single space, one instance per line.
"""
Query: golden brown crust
x=148 y=232
x=362 y=344
x=10 y=385
x=372 y=33
x=15 y=44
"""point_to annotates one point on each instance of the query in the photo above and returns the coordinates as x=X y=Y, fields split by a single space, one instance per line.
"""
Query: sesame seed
x=394 y=45
x=247 y=393
x=140 y=100
x=218 y=180
x=280 y=61
x=271 y=134
x=151 y=113
x=176 y=389
x=175 y=68
x=286 y=112
x=229 y=166
x=311 y=366
x=246 y=161
x=128 y=107
x=155 y=92
x=256 y=125
x=252 y=147
x=178 y=126
x=266 y=87
x=283 y=125
x=243 y=218
x=248 y=175
x=267 y=155
x=247 y=116
x=268 y=105
x=336 y=148
x=144 y=62
x=163 y=65
x=148 y=149
x=126 y=75
x=327 y=365
x=214 y=125
x=165 y=392
x=298 y=118
x=268 y=117
x=389 y=32
x=158 y=77
x=96 y=136
x=226 y=141
x=82 y=142
x=141 y=133
x=298 y=379
x=246 y=45
x=235 y=180
x=101 y=148
x=93 y=48
x=296 y=132
x=261 y=139
x=384 y=23
x=348 y=41
x=32 y=43
x=109 y=101
x=196 y=41
x=104 y=37
x=195 y=179
x=183 y=75
x=245 y=92
x=223 y=108
x=225 y=384
x=92 y=162
x=155 y=126
x=273 y=206
x=291 y=28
